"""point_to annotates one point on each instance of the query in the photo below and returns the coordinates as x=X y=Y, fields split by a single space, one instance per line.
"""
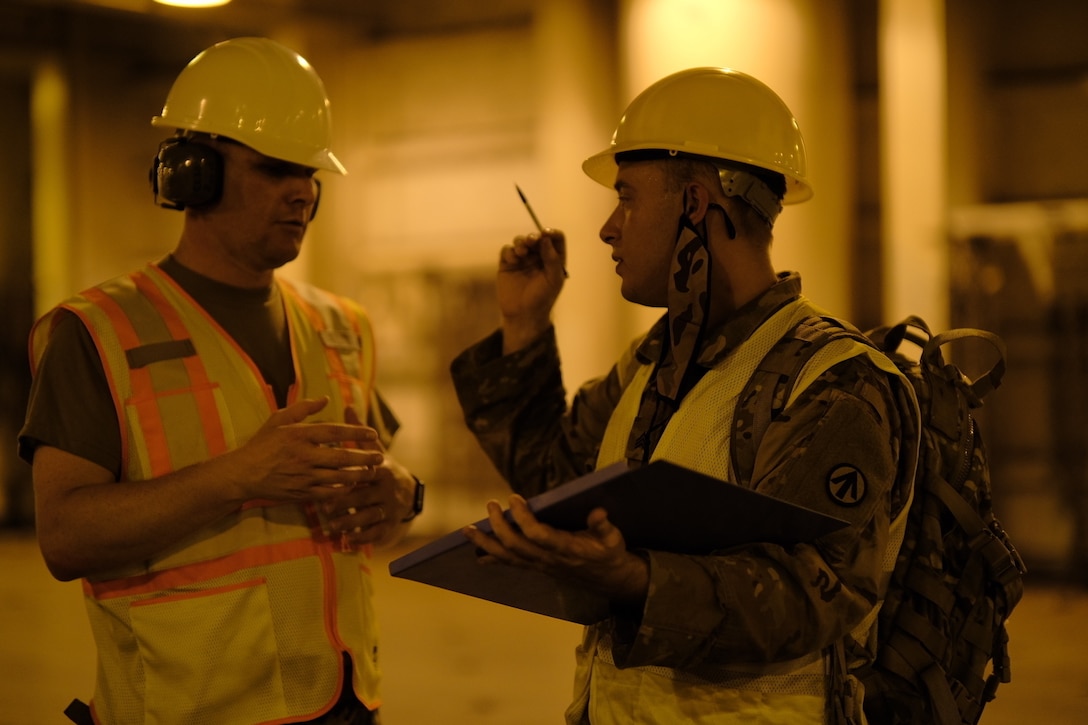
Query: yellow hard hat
x=719 y=113
x=259 y=93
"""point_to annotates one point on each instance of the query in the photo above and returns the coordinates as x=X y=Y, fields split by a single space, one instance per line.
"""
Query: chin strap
x=689 y=303
x=689 y=298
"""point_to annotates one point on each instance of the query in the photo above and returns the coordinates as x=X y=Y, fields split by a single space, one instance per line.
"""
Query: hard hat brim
x=601 y=167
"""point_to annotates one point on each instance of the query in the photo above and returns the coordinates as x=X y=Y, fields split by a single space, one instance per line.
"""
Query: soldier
x=702 y=162
x=196 y=430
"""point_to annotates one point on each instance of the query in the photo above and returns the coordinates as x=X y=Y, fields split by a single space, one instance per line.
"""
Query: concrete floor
x=454 y=660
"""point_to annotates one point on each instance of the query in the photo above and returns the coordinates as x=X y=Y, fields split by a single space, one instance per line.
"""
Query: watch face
x=417 y=505
x=417 y=502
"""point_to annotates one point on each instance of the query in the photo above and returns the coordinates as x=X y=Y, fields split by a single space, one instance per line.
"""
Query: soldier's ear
x=696 y=201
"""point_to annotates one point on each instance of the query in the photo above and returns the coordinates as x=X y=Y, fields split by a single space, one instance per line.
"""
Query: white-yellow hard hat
x=718 y=113
x=259 y=93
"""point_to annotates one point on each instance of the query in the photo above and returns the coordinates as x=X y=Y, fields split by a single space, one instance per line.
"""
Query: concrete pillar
x=576 y=112
x=51 y=201
x=913 y=110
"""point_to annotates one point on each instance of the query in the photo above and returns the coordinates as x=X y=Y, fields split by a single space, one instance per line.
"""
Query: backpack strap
x=767 y=392
x=980 y=387
x=914 y=329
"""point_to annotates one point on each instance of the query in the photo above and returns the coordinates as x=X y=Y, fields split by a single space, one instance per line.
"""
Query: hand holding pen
x=530 y=278
x=536 y=221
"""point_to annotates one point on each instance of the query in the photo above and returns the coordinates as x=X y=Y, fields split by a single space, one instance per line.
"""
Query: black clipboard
x=661 y=506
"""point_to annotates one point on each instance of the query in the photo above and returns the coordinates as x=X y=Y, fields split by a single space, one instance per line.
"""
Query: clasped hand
x=596 y=557
x=340 y=467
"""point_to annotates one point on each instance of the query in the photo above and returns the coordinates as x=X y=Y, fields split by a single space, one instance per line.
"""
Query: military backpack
x=942 y=645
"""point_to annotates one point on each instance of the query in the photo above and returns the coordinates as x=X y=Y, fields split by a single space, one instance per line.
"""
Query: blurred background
x=947 y=146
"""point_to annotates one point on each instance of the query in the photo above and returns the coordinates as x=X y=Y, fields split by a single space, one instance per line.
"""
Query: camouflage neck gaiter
x=676 y=371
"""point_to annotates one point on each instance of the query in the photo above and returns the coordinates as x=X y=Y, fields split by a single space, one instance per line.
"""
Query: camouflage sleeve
x=516 y=407
x=836 y=450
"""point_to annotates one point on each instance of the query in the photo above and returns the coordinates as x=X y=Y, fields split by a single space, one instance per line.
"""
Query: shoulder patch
x=846 y=485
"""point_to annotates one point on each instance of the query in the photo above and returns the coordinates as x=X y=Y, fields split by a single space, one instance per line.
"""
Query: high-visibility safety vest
x=246 y=620
x=697 y=436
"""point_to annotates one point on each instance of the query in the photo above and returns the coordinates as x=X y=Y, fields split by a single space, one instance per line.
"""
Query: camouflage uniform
x=761 y=603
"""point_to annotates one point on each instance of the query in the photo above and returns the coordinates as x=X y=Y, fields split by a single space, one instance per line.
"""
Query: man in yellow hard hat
x=208 y=448
x=702 y=162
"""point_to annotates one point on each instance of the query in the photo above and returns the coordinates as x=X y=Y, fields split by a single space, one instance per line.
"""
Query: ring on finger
x=381 y=512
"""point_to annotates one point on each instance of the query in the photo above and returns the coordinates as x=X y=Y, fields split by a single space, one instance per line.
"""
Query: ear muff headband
x=317 y=198
x=186 y=173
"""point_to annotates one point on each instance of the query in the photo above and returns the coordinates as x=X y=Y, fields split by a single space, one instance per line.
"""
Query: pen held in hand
x=533 y=216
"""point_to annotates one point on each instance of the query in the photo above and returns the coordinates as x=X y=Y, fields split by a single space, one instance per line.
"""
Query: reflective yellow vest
x=247 y=619
x=697 y=436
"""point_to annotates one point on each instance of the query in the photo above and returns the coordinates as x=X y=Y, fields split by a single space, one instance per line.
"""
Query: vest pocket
x=210 y=656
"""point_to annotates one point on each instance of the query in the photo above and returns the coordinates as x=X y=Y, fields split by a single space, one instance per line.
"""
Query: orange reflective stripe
x=143 y=390
x=249 y=558
x=199 y=384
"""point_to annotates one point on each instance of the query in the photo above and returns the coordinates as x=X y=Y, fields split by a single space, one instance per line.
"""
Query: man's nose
x=610 y=230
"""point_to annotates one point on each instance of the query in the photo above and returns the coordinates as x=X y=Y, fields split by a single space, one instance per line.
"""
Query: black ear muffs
x=186 y=173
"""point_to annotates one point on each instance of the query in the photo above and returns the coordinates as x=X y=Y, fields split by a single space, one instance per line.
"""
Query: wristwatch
x=417 y=502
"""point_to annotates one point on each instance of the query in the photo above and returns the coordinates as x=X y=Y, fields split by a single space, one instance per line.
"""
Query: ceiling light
x=193 y=3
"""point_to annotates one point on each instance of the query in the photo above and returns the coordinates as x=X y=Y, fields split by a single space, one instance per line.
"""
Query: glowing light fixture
x=193 y=3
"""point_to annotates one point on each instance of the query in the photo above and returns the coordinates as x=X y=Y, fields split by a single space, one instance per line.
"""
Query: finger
x=338 y=434
x=331 y=485
x=355 y=519
x=351 y=417
x=324 y=484
x=553 y=247
x=604 y=531
x=489 y=550
x=526 y=538
x=523 y=245
x=527 y=522
x=500 y=525
x=519 y=257
x=553 y=252
x=597 y=521
x=360 y=462
x=514 y=548
x=296 y=412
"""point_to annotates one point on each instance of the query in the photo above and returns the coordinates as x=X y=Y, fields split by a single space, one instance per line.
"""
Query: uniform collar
x=738 y=327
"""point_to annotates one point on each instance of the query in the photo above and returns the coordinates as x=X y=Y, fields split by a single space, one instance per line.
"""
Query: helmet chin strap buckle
x=753 y=190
